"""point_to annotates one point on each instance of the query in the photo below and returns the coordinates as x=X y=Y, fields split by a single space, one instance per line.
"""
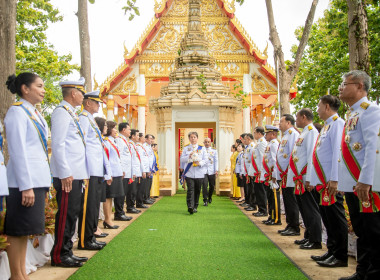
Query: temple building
x=195 y=68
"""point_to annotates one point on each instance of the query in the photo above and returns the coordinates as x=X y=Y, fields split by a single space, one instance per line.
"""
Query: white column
x=141 y=109
x=110 y=108
x=246 y=111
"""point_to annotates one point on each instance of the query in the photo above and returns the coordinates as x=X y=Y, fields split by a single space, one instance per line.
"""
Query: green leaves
x=35 y=54
x=131 y=9
x=326 y=57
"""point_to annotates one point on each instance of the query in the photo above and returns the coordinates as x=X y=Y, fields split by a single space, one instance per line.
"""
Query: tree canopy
x=35 y=54
x=326 y=58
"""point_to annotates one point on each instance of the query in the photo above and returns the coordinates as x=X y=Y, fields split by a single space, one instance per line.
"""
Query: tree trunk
x=358 y=36
x=7 y=51
x=286 y=76
x=84 y=39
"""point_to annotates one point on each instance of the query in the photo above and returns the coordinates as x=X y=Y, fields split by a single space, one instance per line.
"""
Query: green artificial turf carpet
x=166 y=242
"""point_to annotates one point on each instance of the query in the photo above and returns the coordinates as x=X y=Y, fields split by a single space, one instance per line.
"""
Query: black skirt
x=21 y=220
x=116 y=189
x=239 y=181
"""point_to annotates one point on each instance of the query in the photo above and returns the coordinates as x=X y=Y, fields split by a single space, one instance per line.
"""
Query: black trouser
x=131 y=195
x=335 y=222
x=209 y=180
x=140 y=191
x=367 y=228
x=65 y=219
x=308 y=205
x=119 y=201
x=194 y=186
x=274 y=204
x=89 y=211
x=148 y=186
x=245 y=187
x=99 y=191
x=291 y=208
x=261 y=198
x=249 y=197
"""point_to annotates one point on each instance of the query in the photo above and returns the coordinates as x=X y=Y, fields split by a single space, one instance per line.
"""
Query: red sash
x=129 y=148
x=325 y=199
x=113 y=146
x=246 y=172
x=373 y=204
x=283 y=175
x=257 y=172
x=137 y=153
x=268 y=174
x=297 y=179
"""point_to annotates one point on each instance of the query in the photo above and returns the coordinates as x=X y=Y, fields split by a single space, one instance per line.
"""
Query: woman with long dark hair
x=28 y=170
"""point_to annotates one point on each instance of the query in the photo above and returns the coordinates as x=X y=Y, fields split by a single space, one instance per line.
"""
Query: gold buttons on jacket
x=2 y=163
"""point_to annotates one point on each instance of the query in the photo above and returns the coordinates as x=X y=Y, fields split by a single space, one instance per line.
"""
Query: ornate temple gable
x=127 y=85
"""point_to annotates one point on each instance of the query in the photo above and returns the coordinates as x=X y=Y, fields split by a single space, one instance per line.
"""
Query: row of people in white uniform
x=81 y=165
x=315 y=169
x=199 y=165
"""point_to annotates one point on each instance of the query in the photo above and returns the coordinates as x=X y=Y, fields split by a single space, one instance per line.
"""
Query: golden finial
x=125 y=50
x=96 y=85
x=265 y=52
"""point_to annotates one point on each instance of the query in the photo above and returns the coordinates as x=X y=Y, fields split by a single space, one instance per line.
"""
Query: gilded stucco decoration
x=129 y=85
x=260 y=85
x=220 y=39
x=179 y=9
x=210 y=8
x=232 y=68
x=167 y=40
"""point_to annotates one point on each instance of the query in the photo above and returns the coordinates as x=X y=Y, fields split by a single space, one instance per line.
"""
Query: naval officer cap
x=93 y=95
x=271 y=128
x=79 y=85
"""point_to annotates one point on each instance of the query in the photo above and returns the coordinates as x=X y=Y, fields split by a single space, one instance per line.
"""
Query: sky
x=110 y=28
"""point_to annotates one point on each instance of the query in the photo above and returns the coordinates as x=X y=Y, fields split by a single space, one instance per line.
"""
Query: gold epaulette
x=106 y=138
x=290 y=131
x=364 y=105
x=335 y=118
x=187 y=145
x=17 y=103
x=84 y=114
x=310 y=127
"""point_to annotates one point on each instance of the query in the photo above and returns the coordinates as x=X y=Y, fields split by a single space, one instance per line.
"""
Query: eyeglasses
x=342 y=85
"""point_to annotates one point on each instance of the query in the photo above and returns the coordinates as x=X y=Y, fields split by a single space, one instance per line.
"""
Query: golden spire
x=96 y=85
x=125 y=50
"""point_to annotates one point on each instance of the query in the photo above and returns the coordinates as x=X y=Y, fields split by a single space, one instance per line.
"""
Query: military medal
x=326 y=198
x=295 y=159
x=366 y=204
x=357 y=146
x=347 y=139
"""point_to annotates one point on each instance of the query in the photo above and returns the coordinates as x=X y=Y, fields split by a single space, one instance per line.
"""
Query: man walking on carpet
x=193 y=159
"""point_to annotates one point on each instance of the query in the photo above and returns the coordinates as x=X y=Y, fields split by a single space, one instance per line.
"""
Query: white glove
x=273 y=185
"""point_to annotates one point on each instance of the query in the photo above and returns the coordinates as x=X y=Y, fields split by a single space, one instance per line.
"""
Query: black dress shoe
x=101 y=243
x=102 y=235
x=90 y=246
x=273 y=223
x=301 y=241
x=249 y=209
x=311 y=245
x=105 y=225
x=321 y=258
x=266 y=221
x=282 y=230
x=244 y=204
x=354 y=276
x=79 y=259
x=332 y=262
x=195 y=210
x=259 y=214
x=67 y=262
x=122 y=218
x=190 y=210
x=209 y=200
x=141 y=206
x=291 y=232
x=133 y=211
x=148 y=202
x=205 y=203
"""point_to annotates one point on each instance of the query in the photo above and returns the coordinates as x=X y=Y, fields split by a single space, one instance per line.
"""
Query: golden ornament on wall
x=220 y=39
x=167 y=40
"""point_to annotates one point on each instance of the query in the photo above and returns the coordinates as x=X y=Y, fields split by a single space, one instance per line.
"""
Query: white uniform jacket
x=239 y=160
x=303 y=154
x=125 y=156
x=376 y=181
x=285 y=148
x=258 y=153
x=98 y=166
x=115 y=160
x=194 y=171
x=149 y=150
x=68 y=150
x=362 y=127
x=28 y=165
x=143 y=156
x=3 y=171
x=137 y=165
x=211 y=165
x=327 y=150
x=270 y=158
x=247 y=164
